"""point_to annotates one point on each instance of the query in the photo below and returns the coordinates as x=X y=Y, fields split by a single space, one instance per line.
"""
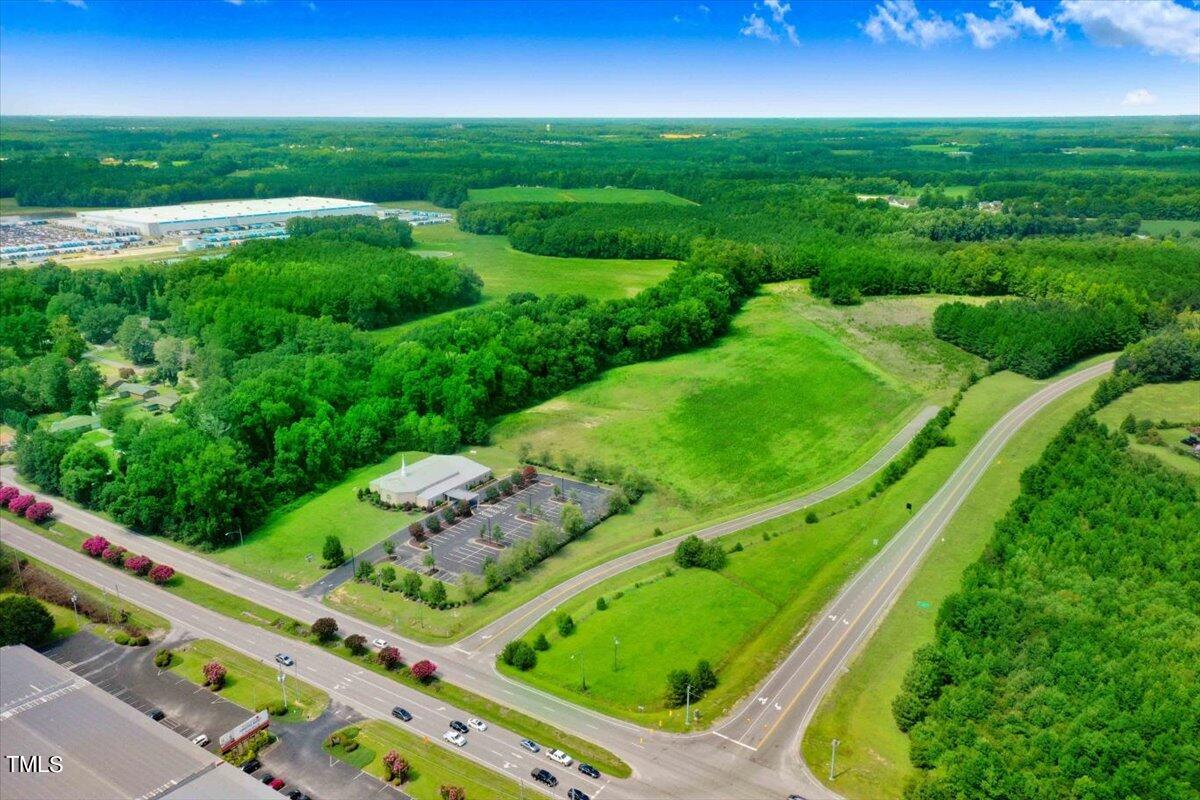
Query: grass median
x=249 y=682
x=430 y=765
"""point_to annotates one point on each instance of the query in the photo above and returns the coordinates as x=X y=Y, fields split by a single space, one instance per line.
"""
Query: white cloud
x=1140 y=97
x=757 y=28
x=900 y=20
x=80 y=4
x=1012 y=19
x=1161 y=26
x=703 y=9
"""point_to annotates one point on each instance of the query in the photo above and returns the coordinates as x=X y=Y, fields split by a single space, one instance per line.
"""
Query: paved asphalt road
x=753 y=754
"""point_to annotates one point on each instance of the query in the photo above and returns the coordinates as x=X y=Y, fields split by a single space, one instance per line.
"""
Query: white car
x=477 y=724
x=380 y=643
x=455 y=738
x=200 y=740
x=560 y=757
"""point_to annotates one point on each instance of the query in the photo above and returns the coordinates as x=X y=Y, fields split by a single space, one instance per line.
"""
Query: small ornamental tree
x=436 y=596
x=114 y=554
x=364 y=572
x=449 y=515
x=332 y=552
x=7 y=493
x=529 y=475
x=325 y=629
x=387 y=574
x=519 y=654
x=423 y=670
x=601 y=604
x=566 y=625
x=356 y=643
x=389 y=657
x=704 y=678
x=39 y=512
x=389 y=547
x=139 y=565
x=18 y=504
x=396 y=766
x=23 y=620
x=541 y=643
x=433 y=524
x=449 y=792
x=417 y=532
x=214 y=675
x=410 y=585
x=161 y=573
x=95 y=546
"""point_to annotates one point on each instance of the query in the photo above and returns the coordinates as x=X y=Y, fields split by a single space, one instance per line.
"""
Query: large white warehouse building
x=165 y=220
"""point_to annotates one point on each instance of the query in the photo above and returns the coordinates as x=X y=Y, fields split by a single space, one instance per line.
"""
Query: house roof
x=75 y=422
x=135 y=388
x=433 y=476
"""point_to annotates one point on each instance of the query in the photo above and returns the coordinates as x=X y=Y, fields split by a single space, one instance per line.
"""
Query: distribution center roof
x=199 y=212
x=108 y=748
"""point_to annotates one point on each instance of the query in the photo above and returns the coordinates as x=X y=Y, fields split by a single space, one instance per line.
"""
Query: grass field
x=1177 y=403
x=743 y=618
x=1162 y=227
x=550 y=194
x=777 y=405
x=505 y=270
x=873 y=754
x=248 y=682
x=279 y=551
x=432 y=766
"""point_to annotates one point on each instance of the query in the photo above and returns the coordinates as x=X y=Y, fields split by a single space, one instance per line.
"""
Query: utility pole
x=687 y=717
x=20 y=574
x=833 y=759
x=616 y=644
x=75 y=607
x=283 y=684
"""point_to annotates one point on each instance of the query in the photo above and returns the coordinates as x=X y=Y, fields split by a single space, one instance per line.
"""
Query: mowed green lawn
x=745 y=617
x=550 y=194
x=248 y=682
x=775 y=406
x=278 y=551
x=1177 y=403
x=872 y=757
x=1162 y=227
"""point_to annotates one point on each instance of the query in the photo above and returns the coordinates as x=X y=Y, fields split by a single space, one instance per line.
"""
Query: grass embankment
x=873 y=753
x=431 y=766
x=796 y=395
x=1175 y=403
x=551 y=194
x=286 y=549
x=248 y=682
x=235 y=607
x=744 y=618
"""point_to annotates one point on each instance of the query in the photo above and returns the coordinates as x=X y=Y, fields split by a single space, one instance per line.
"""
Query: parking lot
x=457 y=548
x=129 y=674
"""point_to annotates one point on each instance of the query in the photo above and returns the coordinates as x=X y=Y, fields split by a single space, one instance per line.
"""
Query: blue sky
x=600 y=59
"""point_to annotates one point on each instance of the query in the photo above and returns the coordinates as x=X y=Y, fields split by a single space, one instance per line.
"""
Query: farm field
x=432 y=766
x=550 y=194
x=278 y=552
x=873 y=753
x=744 y=617
x=249 y=682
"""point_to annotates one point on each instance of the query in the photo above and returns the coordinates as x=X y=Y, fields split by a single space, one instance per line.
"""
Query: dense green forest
x=1067 y=664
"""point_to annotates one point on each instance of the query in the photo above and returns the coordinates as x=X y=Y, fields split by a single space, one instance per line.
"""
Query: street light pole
x=283 y=684
x=687 y=717
x=616 y=643
x=833 y=758
x=75 y=607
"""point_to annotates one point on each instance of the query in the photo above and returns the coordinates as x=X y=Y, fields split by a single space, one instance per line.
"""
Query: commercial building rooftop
x=108 y=749
x=201 y=212
x=431 y=478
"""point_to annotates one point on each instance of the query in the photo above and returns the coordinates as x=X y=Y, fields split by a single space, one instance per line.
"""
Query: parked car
x=278 y=784
x=530 y=745
x=544 y=776
x=295 y=794
x=285 y=659
x=589 y=770
x=560 y=757
x=200 y=740
x=251 y=765
x=267 y=778
x=401 y=714
x=155 y=714
x=455 y=738
x=575 y=794
x=477 y=724
x=455 y=725
x=380 y=643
